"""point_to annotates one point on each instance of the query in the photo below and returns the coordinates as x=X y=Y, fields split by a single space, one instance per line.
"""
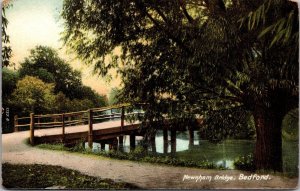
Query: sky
x=38 y=22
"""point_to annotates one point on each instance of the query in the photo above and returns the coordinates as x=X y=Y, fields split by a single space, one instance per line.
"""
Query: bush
x=245 y=163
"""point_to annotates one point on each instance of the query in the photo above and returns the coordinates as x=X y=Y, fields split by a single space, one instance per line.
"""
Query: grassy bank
x=45 y=176
x=138 y=154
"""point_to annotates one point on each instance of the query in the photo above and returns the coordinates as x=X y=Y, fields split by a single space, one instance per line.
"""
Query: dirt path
x=143 y=175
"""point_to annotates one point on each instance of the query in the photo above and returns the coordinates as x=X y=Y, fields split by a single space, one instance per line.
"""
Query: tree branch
x=186 y=14
x=142 y=8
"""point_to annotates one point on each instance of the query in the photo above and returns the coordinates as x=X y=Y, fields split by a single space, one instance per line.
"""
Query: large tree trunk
x=268 y=149
x=268 y=120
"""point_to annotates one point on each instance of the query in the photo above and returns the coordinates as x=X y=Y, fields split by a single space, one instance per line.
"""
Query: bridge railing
x=87 y=117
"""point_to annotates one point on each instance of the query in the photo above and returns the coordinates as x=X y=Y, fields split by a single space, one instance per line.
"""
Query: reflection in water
x=226 y=163
x=201 y=150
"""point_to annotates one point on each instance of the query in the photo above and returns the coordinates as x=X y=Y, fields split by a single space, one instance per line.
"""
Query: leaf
x=277 y=38
x=265 y=31
x=249 y=22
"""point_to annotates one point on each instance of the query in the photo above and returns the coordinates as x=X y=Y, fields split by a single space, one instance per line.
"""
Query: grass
x=137 y=155
x=43 y=176
x=186 y=158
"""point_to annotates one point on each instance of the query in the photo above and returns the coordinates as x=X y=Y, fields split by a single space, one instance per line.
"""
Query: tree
x=33 y=95
x=64 y=104
x=9 y=83
x=44 y=63
x=87 y=92
x=6 y=49
x=228 y=123
x=188 y=57
x=290 y=125
x=113 y=96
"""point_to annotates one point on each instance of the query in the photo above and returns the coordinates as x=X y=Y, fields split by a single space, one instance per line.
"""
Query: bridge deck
x=73 y=134
x=82 y=128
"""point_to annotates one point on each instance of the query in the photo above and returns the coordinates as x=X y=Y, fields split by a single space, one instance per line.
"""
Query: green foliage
x=9 y=83
x=183 y=58
x=64 y=104
x=139 y=154
x=228 y=123
x=18 y=176
x=45 y=64
x=290 y=126
x=33 y=95
x=60 y=147
x=66 y=92
x=6 y=49
x=113 y=96
x=180 y=56
x=245 y=163
x=87 y=92
x=290 y=157
x=283 y=30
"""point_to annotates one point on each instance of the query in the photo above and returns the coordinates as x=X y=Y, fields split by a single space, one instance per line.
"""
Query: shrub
x=245 y=163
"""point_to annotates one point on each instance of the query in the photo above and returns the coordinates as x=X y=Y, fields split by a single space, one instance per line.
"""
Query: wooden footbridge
x=105 y=125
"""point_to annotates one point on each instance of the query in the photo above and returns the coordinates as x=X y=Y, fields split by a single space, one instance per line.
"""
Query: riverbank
x=143 y=175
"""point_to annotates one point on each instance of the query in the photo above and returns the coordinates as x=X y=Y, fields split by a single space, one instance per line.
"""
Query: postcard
x=177 y=94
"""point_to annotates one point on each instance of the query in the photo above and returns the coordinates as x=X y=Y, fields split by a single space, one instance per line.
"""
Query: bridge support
x=165 y=132
x=90 y=133
x=153 y=145
x=102 y=146
x=63 y=126
x=16 y=129
x=191 y=139
x=122 y=118
x=121 y=145
x=173 y=141
x=113 y=145
x=132 y=142
x=32 y=128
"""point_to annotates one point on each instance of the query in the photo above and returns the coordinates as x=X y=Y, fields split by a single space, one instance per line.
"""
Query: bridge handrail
x=46 y=115
x=20 y=118
x=85 y=116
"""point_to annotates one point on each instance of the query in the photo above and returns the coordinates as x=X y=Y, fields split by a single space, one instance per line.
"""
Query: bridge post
x=90 y=133
x=16 y=129
x=63 y=126
x=102 y=146
x=80 y=118
x=111 y=114
x=115 y=144
x=31 y=128
x=132 y=142
x=173 y=141
x=165 y=131
x=153 y=145
x=121 y=145
x=39 y=121
x=122 y=118
x=191 y=139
